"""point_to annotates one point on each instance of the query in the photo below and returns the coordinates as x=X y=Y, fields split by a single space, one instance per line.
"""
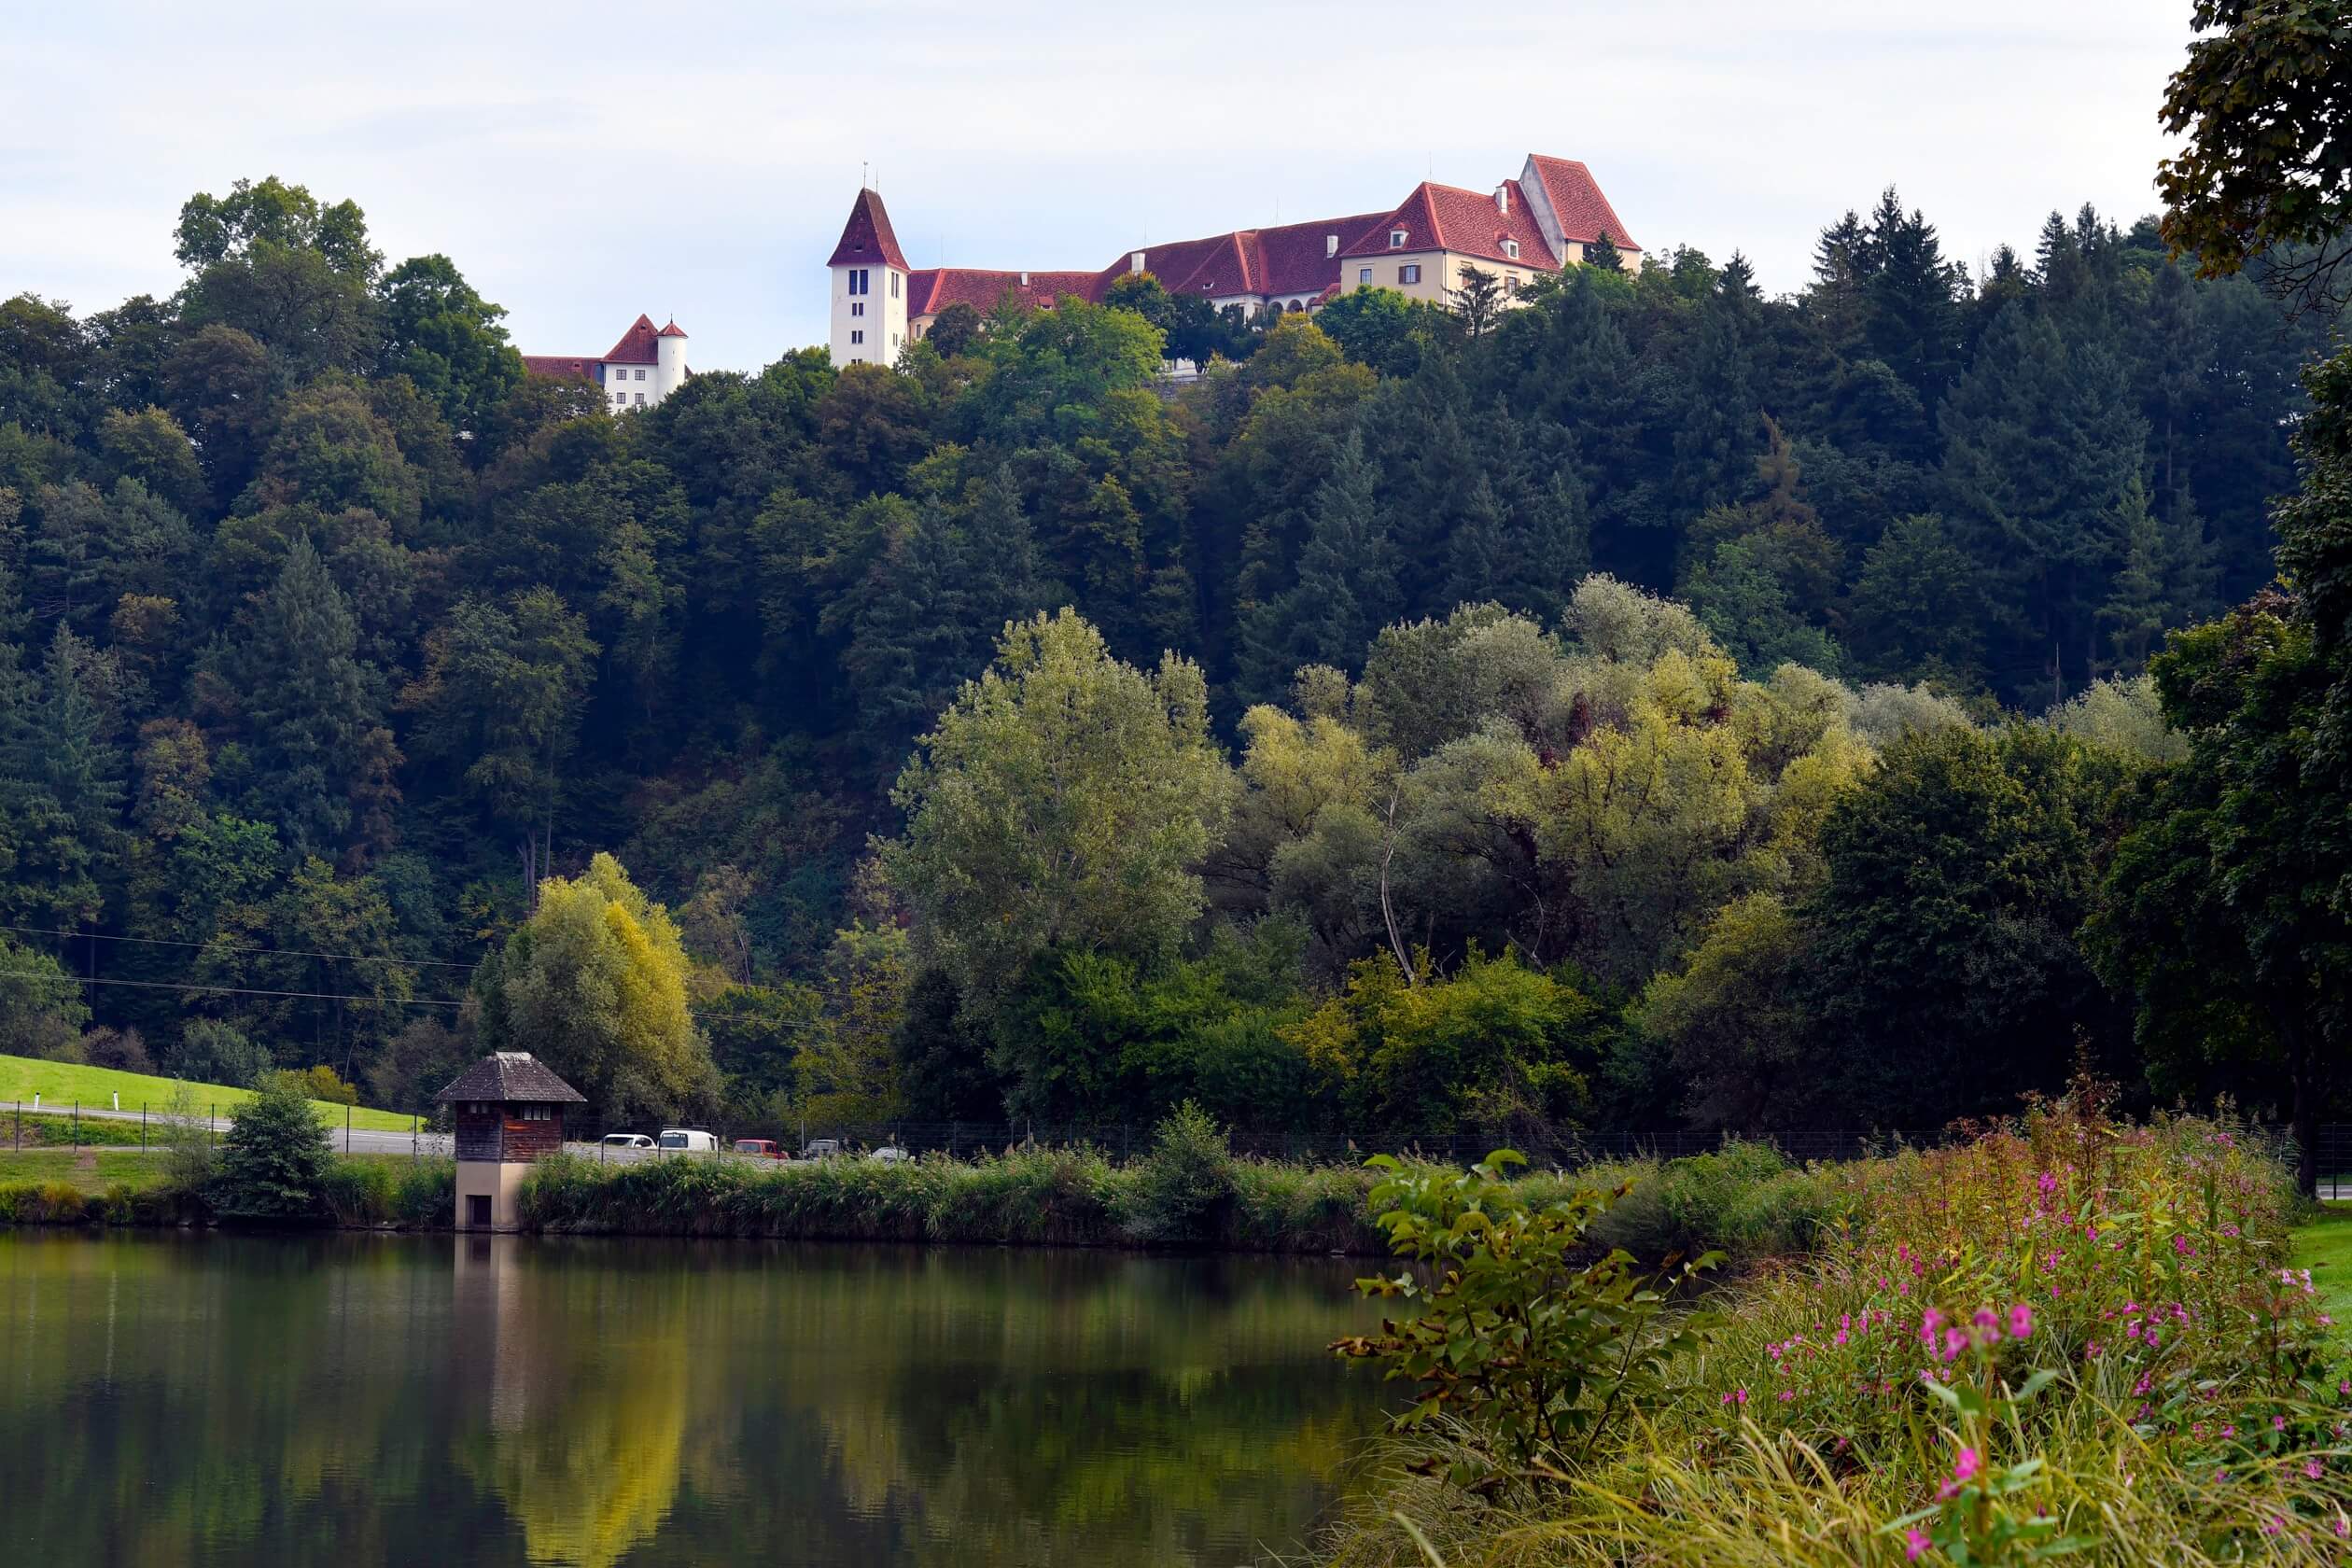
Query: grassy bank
x=2074 y=1337
x=127 y=1188
x=1746 y=1200
x=62 y=1085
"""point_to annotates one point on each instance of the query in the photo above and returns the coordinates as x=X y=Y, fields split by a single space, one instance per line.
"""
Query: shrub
x=274 y=1161
x=357 y=1192
x=186 y=1138
x=318 y=1082
x=210 y=1052
x=1540 y=1355
x=426 y=1193
x=1181 y=1191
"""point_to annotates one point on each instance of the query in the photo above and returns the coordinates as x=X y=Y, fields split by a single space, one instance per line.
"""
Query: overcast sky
x=582 y=162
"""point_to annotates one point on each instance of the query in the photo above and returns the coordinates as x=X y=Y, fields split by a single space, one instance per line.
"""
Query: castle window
x=858 y=280
x=641 y=402
x=857 y=337
x=640 y=372
x=1364 y=275
x=1409 y=274
x=1397 y=239
x=894 y=286
x=857 y=307
x=1510 y=248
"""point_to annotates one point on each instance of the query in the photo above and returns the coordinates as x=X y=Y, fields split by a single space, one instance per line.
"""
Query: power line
x=63 y=979
x=206 y=946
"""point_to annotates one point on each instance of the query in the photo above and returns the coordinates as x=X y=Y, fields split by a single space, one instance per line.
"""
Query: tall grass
x=2068 y=1334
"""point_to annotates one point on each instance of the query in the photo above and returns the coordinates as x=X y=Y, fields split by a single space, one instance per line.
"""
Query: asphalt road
x=356 y=1141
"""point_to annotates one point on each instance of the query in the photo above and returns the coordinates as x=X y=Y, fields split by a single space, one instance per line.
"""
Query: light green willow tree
x=1063 y=800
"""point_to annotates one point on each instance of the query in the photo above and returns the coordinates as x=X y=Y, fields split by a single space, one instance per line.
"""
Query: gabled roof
x=867 y=237
x=1576 y=202
x=1447 y=217
x=512 y=1077
x=560 y=366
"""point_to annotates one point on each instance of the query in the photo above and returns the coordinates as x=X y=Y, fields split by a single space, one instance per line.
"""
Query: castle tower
x=868 y=288
x=509 y=1108
x=669 y=360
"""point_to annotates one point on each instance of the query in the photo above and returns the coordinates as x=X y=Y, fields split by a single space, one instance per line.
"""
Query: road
x=355 y=1140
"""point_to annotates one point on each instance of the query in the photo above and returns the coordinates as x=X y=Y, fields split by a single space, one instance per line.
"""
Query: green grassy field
x=2323 y=1244
x=60 y=1084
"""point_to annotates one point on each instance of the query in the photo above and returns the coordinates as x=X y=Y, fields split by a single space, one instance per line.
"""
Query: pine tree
x=1602 y=256
x=310 y=703
x=1476 y=565
x=2137 y=607
x=1912 y=321
x=1347 y=587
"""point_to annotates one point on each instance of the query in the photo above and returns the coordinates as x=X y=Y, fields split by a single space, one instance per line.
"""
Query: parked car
x=763 y=1148
x=687 y=1140
x=890 y=1154
x=626 y=1140
x=822 y=1148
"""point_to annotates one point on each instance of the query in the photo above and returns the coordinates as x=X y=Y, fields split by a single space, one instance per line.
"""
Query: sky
x=584 y=162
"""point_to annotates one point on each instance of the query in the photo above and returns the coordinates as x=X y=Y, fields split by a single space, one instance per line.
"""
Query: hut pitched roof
x=511 y=1076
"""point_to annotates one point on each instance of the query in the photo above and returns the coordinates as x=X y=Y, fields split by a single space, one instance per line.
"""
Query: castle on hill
x=1538 y=223
x=647 y=365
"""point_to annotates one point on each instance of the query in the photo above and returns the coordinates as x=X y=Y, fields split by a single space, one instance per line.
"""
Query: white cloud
x=584 y=162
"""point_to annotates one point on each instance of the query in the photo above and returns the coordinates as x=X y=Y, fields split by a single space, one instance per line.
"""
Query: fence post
x=77 y=1127
x=347 y=1131
x=143 y=1127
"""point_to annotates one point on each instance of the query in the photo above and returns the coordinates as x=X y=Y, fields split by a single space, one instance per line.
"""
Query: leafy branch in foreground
x=1515 y=1337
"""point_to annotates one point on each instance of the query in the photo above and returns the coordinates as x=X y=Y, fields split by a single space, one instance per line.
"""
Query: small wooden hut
x=508 y=1110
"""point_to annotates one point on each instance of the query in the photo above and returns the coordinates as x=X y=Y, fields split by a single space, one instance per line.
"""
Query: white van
x=687 y=1141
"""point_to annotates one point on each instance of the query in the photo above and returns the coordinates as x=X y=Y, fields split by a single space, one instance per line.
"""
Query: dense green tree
x=446 y=338
x=308 y=703
x=273 y=1159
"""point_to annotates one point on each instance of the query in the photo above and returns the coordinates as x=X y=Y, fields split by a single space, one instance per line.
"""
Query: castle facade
x=1539 y=222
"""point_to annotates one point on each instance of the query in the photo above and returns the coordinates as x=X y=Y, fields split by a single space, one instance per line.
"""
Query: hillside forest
x=1656 y=705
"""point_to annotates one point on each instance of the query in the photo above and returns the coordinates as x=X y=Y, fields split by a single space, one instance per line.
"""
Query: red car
x=763 y=1148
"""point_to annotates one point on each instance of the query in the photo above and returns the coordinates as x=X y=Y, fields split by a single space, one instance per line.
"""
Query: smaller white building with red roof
x=646 y=366
x=1540 y=222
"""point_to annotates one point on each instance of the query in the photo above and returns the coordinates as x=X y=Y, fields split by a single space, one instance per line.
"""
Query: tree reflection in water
x=216 y=1399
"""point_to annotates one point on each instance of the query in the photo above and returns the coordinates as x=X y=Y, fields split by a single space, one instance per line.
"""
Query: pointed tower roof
x=672 y=330
x=867 y=237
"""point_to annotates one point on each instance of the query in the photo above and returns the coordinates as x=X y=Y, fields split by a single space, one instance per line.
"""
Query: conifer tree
x=1347 y=587
x=1602 y=256
x=310 y=700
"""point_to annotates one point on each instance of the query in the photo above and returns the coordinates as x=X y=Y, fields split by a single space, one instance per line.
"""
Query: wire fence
x=36 y=1124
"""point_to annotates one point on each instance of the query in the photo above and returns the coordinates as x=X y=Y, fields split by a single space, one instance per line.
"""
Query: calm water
x=205 y=1399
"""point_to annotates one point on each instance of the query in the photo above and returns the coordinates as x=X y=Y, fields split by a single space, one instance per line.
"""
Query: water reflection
x=209 y=1399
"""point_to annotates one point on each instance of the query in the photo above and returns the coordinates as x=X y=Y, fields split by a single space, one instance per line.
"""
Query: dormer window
x=1397 y=239
x=1510 y=248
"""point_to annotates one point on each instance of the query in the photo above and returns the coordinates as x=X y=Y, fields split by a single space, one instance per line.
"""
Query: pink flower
x=2313 y=1469
x=2278 y=1424
x=1965 y=1467
x=2021 y=1321
x=1915 y=1544
x=2343 y=1527
x=2230 y=1431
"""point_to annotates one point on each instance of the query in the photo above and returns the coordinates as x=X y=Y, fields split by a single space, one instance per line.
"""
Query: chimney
x=1135 y=262
x=1502 y=197
x=1025 y=280
x=1331 y=246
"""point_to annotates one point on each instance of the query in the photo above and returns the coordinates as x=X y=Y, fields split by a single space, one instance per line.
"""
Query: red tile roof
x=867 y=237
x=1576 y=202
x=1290 y=261
x=672 y=330
x=1447 y=217
x=559 y=367
x=635 y=346
x=932 y=290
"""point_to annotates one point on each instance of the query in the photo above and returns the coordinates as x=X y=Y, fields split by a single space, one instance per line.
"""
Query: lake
x=174 y=1399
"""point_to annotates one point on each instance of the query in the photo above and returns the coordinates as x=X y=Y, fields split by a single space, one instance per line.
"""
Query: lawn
x=60 y=1085
x=91 y=1171
x=2323 y=1244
